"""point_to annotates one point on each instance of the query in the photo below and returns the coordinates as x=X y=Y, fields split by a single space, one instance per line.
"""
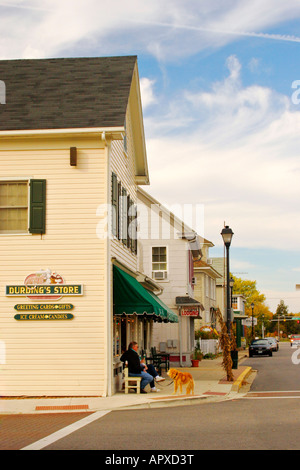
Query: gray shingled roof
x=65 y=93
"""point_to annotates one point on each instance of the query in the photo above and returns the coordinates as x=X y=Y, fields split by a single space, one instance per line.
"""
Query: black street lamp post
x=227 y=234
x=252 y=334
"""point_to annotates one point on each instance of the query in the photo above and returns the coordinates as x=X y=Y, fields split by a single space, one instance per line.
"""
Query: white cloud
x=290 y=298
x=179 y=29
x=236 y=150
x=147 y=92
x=236 y=264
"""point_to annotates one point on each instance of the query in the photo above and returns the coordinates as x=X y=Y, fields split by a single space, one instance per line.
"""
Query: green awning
x=130 y=297
x=171 y=316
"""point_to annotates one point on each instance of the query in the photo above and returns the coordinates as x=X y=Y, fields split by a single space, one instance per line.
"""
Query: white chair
x=131 y=382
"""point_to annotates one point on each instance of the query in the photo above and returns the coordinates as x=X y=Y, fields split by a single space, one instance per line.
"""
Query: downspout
x=108 y=277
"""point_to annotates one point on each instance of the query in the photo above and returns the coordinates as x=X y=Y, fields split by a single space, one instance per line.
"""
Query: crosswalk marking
x=46 y=441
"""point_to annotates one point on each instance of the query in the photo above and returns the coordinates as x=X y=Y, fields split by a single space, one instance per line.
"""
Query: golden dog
x=181 y=378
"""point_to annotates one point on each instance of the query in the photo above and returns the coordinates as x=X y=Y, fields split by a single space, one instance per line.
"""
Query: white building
x=71 y=146
x=167 y=249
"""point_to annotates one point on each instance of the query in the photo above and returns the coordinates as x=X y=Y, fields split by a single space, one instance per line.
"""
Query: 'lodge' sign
x=190 y=312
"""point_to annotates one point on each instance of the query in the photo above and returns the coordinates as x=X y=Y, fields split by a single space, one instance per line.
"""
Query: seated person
x=152 y=371
x=136 y=368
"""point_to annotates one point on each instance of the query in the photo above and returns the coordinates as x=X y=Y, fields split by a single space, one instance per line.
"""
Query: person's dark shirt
x=134 y=364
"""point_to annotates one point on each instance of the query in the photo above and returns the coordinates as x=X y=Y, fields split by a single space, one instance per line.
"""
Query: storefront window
x=117 y=337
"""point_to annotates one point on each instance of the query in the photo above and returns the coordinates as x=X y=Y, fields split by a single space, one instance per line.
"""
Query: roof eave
x=114 y=133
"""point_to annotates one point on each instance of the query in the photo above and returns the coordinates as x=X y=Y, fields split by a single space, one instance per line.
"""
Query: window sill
x=12 y=234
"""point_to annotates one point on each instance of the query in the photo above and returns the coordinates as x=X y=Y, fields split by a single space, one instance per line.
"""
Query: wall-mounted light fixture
x=73 y=156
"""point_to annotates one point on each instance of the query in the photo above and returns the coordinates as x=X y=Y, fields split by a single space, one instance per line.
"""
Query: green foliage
x=197 y=354
x=287 y=325
x=282 y=309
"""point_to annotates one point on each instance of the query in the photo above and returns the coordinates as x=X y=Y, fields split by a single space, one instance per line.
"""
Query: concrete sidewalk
x=210 y=385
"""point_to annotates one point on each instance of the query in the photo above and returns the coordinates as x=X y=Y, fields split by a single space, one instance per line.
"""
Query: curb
x=238 y=383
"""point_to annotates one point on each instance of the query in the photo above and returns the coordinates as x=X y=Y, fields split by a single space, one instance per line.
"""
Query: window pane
x=163 y=266
x=156 y=266
x=13 y=207
x=23 y=194
x=3 y=194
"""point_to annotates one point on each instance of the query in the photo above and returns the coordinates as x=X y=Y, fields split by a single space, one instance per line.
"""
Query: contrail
x=24 y=7
x=274 y=37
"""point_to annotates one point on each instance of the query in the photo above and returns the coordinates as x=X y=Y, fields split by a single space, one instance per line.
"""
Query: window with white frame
x=13 y=206
x=159 y=262
x=23 y=206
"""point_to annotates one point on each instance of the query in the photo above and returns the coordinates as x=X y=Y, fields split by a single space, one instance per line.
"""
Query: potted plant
x=196 y=356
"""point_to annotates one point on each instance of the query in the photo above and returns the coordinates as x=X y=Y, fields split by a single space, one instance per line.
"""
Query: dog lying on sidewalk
x=181 y=378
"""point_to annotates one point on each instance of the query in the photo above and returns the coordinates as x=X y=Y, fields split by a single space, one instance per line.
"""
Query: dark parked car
x=260 y=347
x=274 y=343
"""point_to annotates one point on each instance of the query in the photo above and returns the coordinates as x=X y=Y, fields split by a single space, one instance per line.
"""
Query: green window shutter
x=114 y=195
x=37 y=206
x=114 y=203
x=119 y=221
x=124 y=216
x=128 y=222
x=135 y=230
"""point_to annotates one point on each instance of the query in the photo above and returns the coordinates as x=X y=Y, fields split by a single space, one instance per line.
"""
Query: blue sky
x=222 y=121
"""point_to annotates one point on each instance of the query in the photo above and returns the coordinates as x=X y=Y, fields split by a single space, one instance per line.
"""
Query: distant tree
x=282 y=310
x=252 y=295
x=261 y=311
x=287 y=325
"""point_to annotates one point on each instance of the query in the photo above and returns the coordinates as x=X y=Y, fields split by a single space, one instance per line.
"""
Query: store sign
x=52 y=290
x=44 y=316
x=26 y=307
x=44 y=285
x=189 y=312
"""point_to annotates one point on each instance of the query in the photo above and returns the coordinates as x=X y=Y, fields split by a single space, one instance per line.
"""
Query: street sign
x=248 y=321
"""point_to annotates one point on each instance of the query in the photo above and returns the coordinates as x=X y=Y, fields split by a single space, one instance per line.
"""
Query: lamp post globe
x=227 y=235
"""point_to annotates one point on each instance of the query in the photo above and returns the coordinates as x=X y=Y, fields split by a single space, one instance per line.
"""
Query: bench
x=131 y=382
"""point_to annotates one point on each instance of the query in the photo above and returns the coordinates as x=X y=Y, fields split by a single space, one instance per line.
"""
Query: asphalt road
x=281 y=372
x=266 y=417
x=255 y=421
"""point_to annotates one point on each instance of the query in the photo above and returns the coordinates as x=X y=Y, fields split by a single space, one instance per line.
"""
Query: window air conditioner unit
x=159 y=275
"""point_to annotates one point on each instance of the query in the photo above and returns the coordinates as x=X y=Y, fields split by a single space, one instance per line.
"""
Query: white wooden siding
x=57 y=358
x=124 y=167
